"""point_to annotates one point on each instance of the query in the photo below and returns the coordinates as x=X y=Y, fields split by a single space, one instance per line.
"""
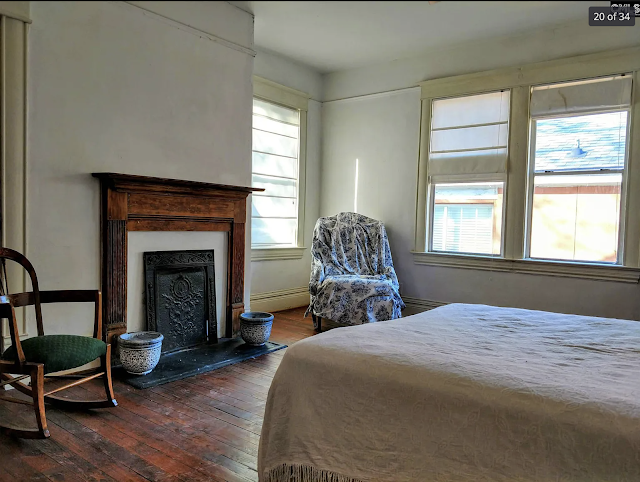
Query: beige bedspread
x=460 y=393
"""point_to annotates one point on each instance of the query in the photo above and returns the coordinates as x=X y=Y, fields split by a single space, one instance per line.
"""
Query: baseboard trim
x=419 y=304
x=280 y=300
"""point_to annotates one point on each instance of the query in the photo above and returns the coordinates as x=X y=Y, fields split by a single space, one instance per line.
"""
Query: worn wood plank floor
x=204 y=428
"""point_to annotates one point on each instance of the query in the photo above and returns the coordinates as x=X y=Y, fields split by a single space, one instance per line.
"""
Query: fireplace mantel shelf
x=141 y=203
x=128 y=181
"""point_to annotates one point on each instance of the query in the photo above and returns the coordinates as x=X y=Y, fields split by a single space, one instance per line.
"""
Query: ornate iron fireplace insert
x=181 y=297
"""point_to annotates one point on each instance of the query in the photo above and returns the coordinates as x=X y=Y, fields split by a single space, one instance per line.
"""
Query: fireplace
x=140 y=203
x=187 y=312
x=181 y=297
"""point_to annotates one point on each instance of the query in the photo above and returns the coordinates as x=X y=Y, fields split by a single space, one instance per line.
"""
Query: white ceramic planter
x=255 y=327
x=140 y=352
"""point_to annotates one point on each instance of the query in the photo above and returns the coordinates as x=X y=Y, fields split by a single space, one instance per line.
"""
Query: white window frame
x=294 y=99
x=520 y=80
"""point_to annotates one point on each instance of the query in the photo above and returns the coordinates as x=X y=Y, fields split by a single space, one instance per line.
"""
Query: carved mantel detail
x=140 y=203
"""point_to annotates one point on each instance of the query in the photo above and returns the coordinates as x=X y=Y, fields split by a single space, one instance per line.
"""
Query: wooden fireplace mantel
x=140 y=203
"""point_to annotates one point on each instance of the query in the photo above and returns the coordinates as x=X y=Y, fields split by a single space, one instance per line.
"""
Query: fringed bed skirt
x=304 y=473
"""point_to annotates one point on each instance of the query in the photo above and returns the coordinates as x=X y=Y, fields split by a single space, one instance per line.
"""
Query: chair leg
x=317 y=323
x=105 y=363
x=37 y=389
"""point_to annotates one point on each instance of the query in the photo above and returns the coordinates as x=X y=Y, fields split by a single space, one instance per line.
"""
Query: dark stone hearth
x=205 y=358
x=181 y=304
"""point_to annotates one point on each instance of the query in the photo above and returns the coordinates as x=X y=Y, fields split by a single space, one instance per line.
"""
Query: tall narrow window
x=276 y=152
x=577 y=169
x=467 y=169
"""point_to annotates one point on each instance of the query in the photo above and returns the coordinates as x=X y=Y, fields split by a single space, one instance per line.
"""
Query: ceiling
x=330 y=36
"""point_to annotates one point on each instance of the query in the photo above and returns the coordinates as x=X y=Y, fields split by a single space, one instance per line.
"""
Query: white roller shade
x=602 y=94
x=469 y=135
x=276 y=139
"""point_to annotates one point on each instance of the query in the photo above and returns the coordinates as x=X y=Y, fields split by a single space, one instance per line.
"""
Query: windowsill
x=268 y=254
x=593 y=271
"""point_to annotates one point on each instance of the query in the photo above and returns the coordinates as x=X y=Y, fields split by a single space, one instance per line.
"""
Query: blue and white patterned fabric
x=352 y=276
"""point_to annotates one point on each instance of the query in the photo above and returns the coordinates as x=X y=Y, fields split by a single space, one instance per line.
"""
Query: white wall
x=276 y=275
x=115 y=88
x=382 y=131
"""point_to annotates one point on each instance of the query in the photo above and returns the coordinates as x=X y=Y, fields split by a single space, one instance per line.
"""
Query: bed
x=459 y=393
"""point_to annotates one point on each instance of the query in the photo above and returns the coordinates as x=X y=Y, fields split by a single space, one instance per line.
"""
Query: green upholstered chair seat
x=59 y=352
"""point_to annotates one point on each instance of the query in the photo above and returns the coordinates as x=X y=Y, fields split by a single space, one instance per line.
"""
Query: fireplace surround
x=140 y=203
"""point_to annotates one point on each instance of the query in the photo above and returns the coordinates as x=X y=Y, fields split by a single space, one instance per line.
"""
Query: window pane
x=275 y=186
x=264 y=206
x=274 y=144
x=575 y=218
x=470 y=110
x=467 y=217
x=273 y=231
x=596 y=141
x=275 y=165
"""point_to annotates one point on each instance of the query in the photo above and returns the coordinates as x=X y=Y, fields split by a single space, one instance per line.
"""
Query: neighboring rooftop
x=594 y=141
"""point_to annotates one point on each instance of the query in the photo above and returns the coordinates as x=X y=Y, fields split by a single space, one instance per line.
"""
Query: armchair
x=39 y=357
x=352 y=276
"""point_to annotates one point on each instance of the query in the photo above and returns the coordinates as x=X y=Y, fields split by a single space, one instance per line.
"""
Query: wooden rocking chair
x=38 y=357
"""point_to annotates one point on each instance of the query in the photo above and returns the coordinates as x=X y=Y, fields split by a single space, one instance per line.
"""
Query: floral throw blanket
x=352 y=276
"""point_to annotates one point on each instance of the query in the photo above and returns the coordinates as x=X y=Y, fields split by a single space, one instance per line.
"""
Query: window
x=577 y=169
x=467 y=166
x=279 y=121
x=274 y=212
x=534 y=169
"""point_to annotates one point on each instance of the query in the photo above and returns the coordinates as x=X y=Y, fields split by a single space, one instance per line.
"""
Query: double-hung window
x=277 y=213
x=579 y=133
x=467 y=172
x=533 y=169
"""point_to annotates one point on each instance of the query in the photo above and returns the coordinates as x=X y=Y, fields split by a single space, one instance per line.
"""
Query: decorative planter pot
x=255 y=327
x=140 y=351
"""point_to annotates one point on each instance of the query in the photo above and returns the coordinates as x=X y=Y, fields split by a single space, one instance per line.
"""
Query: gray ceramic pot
x=255 y=327
x=140 y=351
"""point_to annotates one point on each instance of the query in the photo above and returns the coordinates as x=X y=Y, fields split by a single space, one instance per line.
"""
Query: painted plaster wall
x=113 y=87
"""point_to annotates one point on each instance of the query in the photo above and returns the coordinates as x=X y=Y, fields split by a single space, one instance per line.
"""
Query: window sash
x=532 y=175
x=435 y=181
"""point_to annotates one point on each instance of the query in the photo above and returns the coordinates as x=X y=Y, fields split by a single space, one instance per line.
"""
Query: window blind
x=276 y=136
x=469 y=135
x=608 y=93
x=466 y=228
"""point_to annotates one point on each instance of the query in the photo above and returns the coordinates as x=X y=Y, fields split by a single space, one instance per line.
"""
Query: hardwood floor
x=204 y=428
